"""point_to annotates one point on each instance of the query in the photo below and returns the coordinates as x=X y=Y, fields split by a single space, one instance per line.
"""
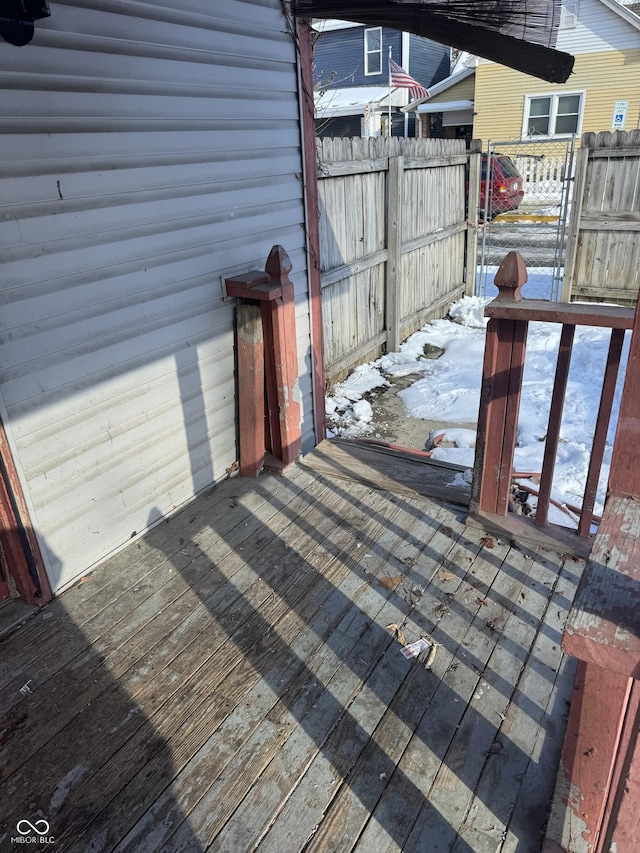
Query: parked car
x=506 y=185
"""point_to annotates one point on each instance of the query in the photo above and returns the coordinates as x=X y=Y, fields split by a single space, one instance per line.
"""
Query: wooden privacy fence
x=392 y=241
x=603 y=239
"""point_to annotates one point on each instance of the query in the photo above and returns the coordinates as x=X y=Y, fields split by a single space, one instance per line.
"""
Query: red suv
x=506 y=187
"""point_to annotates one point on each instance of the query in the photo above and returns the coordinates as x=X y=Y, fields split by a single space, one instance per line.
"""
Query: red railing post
x=509 y=315
x=267 y=357
x=600 y=434
x=281 y=356
x=553 y=427
x=500 y=396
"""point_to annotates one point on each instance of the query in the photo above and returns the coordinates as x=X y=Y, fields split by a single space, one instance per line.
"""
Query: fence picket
x=605 y=221
x=374 y=293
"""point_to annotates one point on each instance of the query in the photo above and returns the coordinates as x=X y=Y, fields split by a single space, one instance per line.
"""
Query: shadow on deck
x=231 y=682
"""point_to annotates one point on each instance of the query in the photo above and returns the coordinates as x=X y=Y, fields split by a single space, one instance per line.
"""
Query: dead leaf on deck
x=444 y=575
x=391 y=583
x=446 y=530
x=482 y=601
x=83 y=580
x=488 y=542
x=399 y=635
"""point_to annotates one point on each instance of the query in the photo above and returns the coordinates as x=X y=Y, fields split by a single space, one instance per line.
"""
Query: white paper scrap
x=412 y=650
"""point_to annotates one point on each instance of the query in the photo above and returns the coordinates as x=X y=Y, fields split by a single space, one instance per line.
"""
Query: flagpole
x=390 y=130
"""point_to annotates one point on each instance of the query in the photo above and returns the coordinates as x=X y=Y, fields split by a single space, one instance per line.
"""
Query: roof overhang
x=442 y=86
x=445 y=107
x=520 y=34
x=349 y=101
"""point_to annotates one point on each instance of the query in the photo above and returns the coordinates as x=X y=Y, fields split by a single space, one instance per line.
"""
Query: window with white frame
x=552 y=115
x=373 y=51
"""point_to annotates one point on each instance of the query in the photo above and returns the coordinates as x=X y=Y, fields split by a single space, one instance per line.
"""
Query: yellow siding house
x=602 y=93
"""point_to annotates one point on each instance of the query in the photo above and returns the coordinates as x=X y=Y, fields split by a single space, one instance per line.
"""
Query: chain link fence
x=524 y=203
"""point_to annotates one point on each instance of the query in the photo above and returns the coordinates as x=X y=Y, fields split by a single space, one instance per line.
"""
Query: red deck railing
x=503 y=370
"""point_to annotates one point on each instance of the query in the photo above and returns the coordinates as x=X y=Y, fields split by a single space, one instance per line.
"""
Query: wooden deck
x=231 y=683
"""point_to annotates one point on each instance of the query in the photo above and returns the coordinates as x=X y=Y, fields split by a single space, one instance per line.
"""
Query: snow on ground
x=348 y=414
x=540 y=283
x=448 y=391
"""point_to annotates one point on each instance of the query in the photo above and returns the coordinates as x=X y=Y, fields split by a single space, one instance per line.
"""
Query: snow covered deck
x=234 y=682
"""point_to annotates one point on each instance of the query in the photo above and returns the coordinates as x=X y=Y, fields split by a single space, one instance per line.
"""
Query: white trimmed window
x=373 y=51
x=552 y=115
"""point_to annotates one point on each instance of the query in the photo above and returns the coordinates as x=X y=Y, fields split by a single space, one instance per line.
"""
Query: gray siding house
x=351 y=77
x=149 y=149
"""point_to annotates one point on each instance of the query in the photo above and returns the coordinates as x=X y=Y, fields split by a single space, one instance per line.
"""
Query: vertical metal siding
x=147 y=148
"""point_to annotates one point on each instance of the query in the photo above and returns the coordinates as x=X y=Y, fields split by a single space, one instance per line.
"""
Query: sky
x=447 y=390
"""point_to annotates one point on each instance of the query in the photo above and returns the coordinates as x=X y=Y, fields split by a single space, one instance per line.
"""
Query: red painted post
x=624 y=475
x=281 y=357
x=500 y=396
x=621 y=822
x=251 y=382
x=602 y=427
x=510 y=278
x=274 y=291
x=588 y=761
x=19 y=539
x=553 y=427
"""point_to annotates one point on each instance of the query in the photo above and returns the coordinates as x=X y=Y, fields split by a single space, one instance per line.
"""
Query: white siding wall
x=599 y=29
x=146 y=148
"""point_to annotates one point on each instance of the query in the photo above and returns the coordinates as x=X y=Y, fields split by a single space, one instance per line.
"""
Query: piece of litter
x=47 y=615
x=25 y=689
x=445 y=575
x=398 y=632
x=431 y=656
x=391 y=583
x=414 y=649
x=383 y=776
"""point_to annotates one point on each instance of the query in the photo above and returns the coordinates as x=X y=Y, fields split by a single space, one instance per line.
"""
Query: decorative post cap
x=278 y=265
x=510 y=277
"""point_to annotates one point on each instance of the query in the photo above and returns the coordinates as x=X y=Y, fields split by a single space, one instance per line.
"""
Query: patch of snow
x=364 y=378
x=348 y=414
x=458 y=436
x=362 y=411
x=462 y=478
x=448 y=391
x=469 y=311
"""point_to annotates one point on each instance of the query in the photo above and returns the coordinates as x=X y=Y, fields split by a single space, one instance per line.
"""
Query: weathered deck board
x=115 y=636
x=107 y=596
x=388 y=468
x=196 y=647
x=214 y=803
x=233 y=685
x=516 y=738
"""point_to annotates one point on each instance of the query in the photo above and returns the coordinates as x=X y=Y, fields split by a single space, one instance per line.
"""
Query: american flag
x=401 y=80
